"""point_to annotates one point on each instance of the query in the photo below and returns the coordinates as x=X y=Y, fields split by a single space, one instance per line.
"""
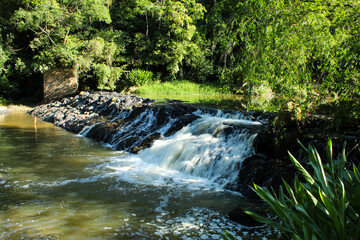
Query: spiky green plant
x=326 y=206
x=139 y=77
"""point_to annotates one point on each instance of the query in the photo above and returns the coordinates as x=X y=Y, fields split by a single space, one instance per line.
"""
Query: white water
x=204 y=149
x=201 y=149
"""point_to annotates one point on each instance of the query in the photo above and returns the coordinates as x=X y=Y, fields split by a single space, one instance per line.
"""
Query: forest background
x=294 y=49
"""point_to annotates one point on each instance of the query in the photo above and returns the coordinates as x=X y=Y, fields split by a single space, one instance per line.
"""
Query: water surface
x=57 y=185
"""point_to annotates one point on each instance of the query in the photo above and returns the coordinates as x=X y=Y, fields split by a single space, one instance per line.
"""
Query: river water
x=58 y=185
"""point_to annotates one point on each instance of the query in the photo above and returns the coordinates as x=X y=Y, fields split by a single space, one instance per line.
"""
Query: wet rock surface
x=120 y=120
x=74 y=113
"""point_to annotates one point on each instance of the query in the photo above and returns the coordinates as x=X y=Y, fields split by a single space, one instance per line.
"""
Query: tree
x=163 y=34
x=66 y=35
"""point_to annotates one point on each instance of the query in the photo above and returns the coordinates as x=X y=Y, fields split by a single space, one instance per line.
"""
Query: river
x=59 y=185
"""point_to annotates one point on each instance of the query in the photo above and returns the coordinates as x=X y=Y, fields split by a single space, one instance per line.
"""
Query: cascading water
x=211 y=147
x=204 y=149
x=166 y=181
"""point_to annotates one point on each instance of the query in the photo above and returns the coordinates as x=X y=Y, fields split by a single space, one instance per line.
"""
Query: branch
x=47 y=34
x=67 y=33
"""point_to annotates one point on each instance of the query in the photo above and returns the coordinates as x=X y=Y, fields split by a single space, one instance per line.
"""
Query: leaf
x=303 y=148
x=301 y=169
x=333 y=214
x=227 y=236
x=329 y=153
x=356 y=173
x=267 y=221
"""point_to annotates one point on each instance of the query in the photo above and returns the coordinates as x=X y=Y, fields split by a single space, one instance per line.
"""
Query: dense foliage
x=324 y=206
x=291 y=48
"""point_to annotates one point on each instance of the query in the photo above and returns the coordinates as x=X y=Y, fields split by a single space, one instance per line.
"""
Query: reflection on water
x=56 y=185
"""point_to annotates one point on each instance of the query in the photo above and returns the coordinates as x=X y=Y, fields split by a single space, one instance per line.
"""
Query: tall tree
x=163 y=34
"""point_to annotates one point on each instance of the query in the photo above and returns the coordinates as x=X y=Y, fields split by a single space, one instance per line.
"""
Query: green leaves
x=58 y=28
x=326 y=206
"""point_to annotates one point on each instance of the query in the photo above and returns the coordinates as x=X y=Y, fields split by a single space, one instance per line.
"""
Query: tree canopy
x=293 y=48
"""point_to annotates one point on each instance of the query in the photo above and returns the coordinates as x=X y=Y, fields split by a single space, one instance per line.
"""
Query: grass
x=183 y=87
x=204 y=94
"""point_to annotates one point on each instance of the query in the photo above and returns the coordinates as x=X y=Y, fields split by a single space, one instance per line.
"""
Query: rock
x=59 y=83
x=181 y=122
x=74 y=113
x=264 y=172
x=147 y=142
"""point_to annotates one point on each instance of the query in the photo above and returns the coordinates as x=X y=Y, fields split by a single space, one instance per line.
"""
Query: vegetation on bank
x=182 y=87
x=293 y=49
x=324 y=205
x=2 y=101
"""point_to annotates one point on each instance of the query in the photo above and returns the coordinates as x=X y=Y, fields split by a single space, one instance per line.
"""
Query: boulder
x=59 y=83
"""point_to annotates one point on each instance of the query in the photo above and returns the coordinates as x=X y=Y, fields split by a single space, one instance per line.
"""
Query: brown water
x=57 y=185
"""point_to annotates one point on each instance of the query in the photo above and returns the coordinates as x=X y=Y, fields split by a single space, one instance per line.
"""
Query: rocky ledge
x=108 y=116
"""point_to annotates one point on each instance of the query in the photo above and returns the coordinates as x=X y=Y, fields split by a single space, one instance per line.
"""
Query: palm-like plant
x=326 y=206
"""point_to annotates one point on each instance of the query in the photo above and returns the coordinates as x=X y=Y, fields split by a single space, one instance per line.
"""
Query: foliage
x=325 y=206
x=107 y=77
x=3 y=101
x=292 y=49
x=139 y=77
x=56 y=26
x=5 y=85
x=227 y=236
x=163 y=34
x=179 y=87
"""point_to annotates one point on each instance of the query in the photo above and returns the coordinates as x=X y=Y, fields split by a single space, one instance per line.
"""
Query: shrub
x=107 y=76
x=139 y=77
x=325 y=206
x=3 y=101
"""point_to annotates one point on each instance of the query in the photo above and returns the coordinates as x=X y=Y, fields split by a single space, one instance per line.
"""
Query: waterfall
x=212 y=146
x=206 y=149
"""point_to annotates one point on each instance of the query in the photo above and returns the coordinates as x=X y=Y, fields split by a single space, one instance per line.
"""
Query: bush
x=107 y=76
x=139 y=77
x=3 y=101
x=326 y=206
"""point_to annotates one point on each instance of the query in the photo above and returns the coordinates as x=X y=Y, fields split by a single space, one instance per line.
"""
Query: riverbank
x=14 y=108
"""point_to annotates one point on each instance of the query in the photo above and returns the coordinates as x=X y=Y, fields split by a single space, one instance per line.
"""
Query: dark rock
x=264 y=172
x=127 y=143
x=181 y=122
x=74 y=113
x=147 y=142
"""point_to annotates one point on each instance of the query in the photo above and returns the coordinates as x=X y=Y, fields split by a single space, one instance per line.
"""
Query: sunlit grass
x=182 y=87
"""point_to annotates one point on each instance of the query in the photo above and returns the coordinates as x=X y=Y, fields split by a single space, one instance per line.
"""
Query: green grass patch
x=204 y=94
x=182 y=87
